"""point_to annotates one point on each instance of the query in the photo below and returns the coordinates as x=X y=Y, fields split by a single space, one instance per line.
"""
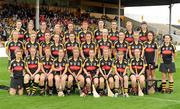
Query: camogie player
x=69 y=31
x=137 y=67
x=17 y=67
x=87 y=45
x=121 y=45
x=30 y=43
x=151 y=55
x=129 y=32
x=104 y=43
x=60 y=69
x=41 y=32
x=98 y=32
x=91 y=70
x=44 y=44
x=20 y=30
x=121 y=76
x=113 y=33
x=167 y=66
x=70 y=44
x=58 y=30
x=32 y=71
x=56 y=46
x=13 y=45
x=46 y=75
x=30 y=30
x=106 y=64
x=84 y=30
x=75 y=71
x=143 y=32
x=136 y=44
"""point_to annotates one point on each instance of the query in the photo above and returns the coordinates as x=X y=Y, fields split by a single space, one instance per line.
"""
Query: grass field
x=156 y=101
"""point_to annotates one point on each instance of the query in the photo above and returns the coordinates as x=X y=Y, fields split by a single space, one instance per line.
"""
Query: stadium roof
x=128 y=3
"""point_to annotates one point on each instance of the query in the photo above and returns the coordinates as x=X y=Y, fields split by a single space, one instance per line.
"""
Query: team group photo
x=66 y=53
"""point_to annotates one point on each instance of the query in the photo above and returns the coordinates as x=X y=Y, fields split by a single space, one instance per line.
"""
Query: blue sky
x=154 y=14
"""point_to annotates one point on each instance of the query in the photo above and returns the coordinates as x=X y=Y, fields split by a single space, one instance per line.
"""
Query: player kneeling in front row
x=32 y=74
x=17 y=67
x=121 y=77
x=60 y=69
x=137 y=68
x=91 y=70
x=46 y=77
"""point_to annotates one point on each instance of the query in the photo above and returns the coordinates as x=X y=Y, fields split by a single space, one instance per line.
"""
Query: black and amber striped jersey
x=104 y=44
x=60 y=65
x=47 y=63
x=106 y=65
x=29 y=44
x=75 y=65
x=81 y=35
x=113 y=36
x=134 y=46
x=12 y=46
x=97 y=35
x=129 y=37
x=167 y=52
x=32 y=64
x=121 y=46
x=40 y=36
x=66 y=35
x=91 y=66
x=143 y=36
x=69 y=47
x=44 y=45
x=20 y=35
x=86 y=47
x=137 y=64
x=149 y=51
x=17 y=67
x=55 y=49
x=121 y=65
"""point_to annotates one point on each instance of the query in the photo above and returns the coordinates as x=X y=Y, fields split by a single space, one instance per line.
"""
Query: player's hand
x=137 y=76
x=106 y=76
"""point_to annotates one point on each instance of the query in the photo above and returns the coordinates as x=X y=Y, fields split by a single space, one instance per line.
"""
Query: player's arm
x=7 y=49
x=174 y=53
x=130 y=67
x=40 y=50
x=27 y=69
x=81 y=51
x=100 y=70
x=10 y=68
x=84 y=69
x=143 y=70
x=38 y=69
x=130 y=51
x=42 y=68
x=156 y=55
x=80 y=71
x=142 y=55
x=66 y=68
x=69 y=70
x=116 y=72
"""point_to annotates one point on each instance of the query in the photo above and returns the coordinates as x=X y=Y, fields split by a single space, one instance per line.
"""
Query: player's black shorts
x=56 y=73
x=121 y=74
x=167 y=68
x=16 y=83
x=151 y=65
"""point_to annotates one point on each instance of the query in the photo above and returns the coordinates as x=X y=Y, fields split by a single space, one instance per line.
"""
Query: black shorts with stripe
x=167 y=68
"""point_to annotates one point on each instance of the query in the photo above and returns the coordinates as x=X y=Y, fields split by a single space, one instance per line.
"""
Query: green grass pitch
x=156 y=101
